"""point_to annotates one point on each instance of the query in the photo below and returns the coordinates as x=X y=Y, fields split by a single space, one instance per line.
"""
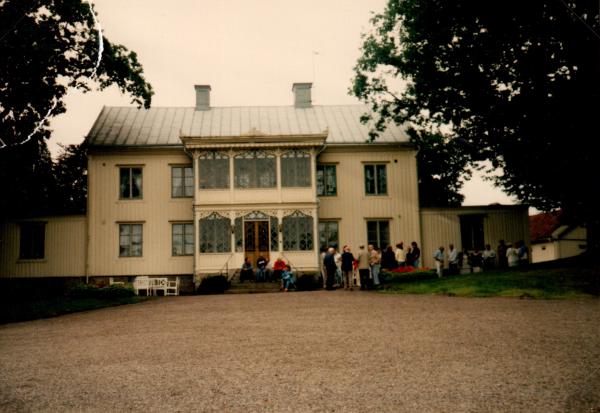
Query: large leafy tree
x=47 y=47
x=516 y=83
x=70 y=179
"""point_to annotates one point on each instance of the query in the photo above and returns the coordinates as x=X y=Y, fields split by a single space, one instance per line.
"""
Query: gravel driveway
x=317 y=351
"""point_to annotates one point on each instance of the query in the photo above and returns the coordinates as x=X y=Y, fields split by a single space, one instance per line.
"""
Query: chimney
x=202 y=97
x=302 y=98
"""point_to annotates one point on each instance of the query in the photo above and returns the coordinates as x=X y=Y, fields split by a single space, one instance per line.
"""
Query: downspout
x=193 y=214
x=419 y=211
x=316 y=224
x=87 y=225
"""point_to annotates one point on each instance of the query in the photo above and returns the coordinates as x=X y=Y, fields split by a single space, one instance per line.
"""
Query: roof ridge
x=242 y=106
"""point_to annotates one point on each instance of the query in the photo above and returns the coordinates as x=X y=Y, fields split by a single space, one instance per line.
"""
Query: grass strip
x=51 y=307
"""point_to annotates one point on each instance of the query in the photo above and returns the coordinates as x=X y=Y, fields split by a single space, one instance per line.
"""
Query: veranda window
x=255 y=169
x=215 y=234
x=297 y=232
x=295 y=169
x=214 y=170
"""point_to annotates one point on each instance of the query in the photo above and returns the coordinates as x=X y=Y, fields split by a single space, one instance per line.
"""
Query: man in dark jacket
x=330 y=268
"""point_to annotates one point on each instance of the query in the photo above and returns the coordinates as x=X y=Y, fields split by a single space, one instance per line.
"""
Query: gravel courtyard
x=317 y=351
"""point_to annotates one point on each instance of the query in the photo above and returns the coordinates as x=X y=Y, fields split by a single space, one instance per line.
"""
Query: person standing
x=363 y=268
x=330 y=268
x=347 y=263
x=338 y=272
x=489 y=257
x=502 y=259
x=477 y=260
x=522 y=252
x=438 y=256
x=400 y=255
x=375 y=263
x=452 y=260
x=322 y=267
x=512 y=256
x=416 y=255
x=409 y=257
x=465 y=262
x=388 y=259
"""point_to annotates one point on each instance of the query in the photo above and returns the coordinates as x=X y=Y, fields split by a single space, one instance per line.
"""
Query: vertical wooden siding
x=155 y=211
x=64 y=250
x=352 y=207
x=441 y=227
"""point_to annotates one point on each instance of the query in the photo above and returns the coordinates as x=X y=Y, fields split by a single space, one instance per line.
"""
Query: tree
x=515 y=83
x=47 y=47
x=440 y=168
x=70 y=175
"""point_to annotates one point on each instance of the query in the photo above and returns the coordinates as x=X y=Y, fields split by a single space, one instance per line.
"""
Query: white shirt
x=489 y=254
x=453 y=256
x=338 y=259
x=513 y=256
x=400 y=255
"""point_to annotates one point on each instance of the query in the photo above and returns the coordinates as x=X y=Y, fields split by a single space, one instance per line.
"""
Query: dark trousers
x=246 y=275
x=453 y=269
x=364 y=279
x=330 y=278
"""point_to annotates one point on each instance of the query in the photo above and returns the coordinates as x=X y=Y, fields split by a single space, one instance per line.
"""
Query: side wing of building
x=471 y=228
x=43 y=247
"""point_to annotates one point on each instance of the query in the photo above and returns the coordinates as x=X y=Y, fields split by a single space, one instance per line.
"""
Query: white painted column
x=196 y=255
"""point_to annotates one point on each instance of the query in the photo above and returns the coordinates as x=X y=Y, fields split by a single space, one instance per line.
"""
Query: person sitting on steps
x=261 y=272
x=287 y=279
x=247 y=272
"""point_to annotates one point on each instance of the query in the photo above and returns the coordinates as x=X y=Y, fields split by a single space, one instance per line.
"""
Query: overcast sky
x=249 y=51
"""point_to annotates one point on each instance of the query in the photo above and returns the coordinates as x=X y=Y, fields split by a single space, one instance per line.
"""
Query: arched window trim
x=298 y=232
x=215 y=234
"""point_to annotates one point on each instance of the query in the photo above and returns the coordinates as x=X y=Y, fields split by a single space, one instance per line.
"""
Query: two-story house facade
x=196 y=190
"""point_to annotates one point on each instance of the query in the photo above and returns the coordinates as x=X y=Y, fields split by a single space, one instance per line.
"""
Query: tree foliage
x=515 y=83
x=70 y=180
x=439 y=169
x=47 y=47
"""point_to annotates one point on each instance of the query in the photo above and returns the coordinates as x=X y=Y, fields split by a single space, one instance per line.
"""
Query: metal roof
x=130 y=126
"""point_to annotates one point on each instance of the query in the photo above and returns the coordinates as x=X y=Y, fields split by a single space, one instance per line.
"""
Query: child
x=287 y=278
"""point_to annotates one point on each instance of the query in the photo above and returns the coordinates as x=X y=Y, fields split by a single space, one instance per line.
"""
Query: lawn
x=565 y=279
x=78 y=299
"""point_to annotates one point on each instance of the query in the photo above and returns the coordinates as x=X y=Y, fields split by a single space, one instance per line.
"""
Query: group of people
x=282 y=272
x=340 y=268
x=507 y=255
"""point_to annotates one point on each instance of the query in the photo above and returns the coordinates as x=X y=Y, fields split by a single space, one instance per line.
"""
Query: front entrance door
x=256 y=240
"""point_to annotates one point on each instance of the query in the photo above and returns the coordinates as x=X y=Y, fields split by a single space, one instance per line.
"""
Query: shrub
x=91 y=291
x=307 y=282
x=213 y=284
x=116 y=291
